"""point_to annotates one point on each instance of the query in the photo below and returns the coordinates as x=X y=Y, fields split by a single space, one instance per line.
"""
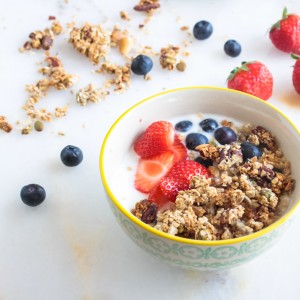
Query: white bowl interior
x=120 y=161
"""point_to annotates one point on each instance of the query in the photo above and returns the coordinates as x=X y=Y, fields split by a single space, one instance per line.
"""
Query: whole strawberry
x=253 y=78
x=285 y=34
x=296 y=73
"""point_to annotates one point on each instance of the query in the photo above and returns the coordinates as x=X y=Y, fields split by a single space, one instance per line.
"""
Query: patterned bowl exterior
x=197 y=257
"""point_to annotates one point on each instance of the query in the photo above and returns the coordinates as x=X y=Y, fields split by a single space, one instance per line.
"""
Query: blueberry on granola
x=193 y=140
x=141 y=65
x=183 y=126
x=33 y=194
x=202 y=30
x=225 y=135
x=204 y=162
x=71 y=156
x=208 y=125
x=249 y=150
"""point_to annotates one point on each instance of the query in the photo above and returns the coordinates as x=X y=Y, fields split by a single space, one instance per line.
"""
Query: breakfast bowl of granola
x=203 y=178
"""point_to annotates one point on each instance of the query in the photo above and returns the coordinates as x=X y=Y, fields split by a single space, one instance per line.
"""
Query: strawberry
x=253 y=78
x=150 y=170
x=296 y=73
x=179 y=149
x=179 y=177
x=156 y=195
x=157 y=138
x=285 y=34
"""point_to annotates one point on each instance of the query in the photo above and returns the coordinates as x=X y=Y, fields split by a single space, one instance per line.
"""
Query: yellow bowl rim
x=167 y=236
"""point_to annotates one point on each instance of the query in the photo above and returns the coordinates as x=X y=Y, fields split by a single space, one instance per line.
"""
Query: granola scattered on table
x=240 y=197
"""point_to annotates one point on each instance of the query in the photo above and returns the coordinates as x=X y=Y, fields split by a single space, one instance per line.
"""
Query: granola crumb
x=89 y=94
x=168 y=57
x=5 y=125
x=184 y=28
x=124 y=15
x=92 y=41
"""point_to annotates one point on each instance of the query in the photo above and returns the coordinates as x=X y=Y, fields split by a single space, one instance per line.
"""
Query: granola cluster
x=4 y=124
x=92 y=41
x=241 y=196
x=57 y=77
x=168 y=57
x=43 y=39
x=89 y=94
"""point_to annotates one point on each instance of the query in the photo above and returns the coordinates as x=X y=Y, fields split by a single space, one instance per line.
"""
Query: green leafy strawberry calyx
x=243 y=67
x=295 y=56
x=284 y=16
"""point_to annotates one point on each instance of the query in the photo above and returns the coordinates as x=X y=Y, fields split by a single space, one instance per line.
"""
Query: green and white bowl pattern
x=193 y=257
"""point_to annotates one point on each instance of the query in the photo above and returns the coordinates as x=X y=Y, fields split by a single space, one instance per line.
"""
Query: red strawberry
x=157 y=196
x=285 y=34
x=296 y=73
x=150 y=170
x=157 y=138
x=179 y=149
x=253 y=78
x=179 y=177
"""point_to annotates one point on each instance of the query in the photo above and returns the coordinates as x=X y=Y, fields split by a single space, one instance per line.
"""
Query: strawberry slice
x=150 y=170
x=157 y=138
x=179 y=177
x=179 y=149
x=157 y=196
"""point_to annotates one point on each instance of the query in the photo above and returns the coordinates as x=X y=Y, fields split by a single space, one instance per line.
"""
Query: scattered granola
x=241 y=196
x=4 y=124
x=122 y=76
x=92 y=41
x=89 y=94
x=168 y=57
x=57 y=77
x=42 y=39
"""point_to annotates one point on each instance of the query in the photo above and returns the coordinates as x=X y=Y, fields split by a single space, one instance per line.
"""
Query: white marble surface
x=70 y=247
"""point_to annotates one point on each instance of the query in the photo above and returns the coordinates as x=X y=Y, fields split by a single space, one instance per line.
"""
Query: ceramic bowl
x=118 y=162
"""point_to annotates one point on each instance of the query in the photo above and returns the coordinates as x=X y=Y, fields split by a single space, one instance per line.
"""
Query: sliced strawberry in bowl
x=156 y=195
x=157 y=138
x=179 y=177
x=152 y=169
x=179 y=149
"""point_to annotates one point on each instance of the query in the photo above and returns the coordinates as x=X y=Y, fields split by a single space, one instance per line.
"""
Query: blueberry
x=208 y=125
x=183 y=126
x=71 y=156
x=232 y=48
x=225 y=135
x=249 y=150
x=204 y=162
x=141 y=65
x=33 y=194
x=202 y=30
x=192 y=140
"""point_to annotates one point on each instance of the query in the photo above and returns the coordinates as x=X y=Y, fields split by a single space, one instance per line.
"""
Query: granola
x=147 y=6
x=4 y=124
x=92 y=41
x=42 y=39
x=168 y=57
x=89 y=94
x=242 y=196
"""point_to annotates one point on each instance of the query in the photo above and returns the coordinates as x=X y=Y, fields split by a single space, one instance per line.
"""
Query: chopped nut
x=125 y=45
x=124 y=16
x=147 y=5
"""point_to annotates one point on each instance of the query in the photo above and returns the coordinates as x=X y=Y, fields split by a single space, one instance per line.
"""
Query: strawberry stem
x=295 y=56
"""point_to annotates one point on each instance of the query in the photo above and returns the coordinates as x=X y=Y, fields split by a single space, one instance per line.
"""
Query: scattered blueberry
x=183 y=126
x=225 y=135
x=141 y=65
x=192 y=140
x=33 y=194
x=208 y=125
x=232 y=48
x=71 y=156
x=204 y=162
x=249 y=150
x=202 y=30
